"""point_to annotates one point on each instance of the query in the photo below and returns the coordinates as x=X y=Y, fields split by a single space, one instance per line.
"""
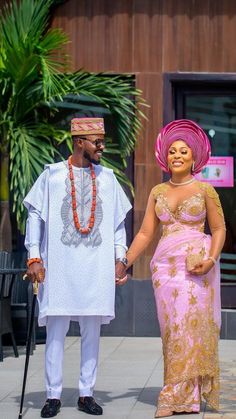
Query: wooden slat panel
x=119 y=37
x=85 y=23
x=100 y=34
x=177 y=35
x=229 y=35
x=199 y=39
x=147 y=39
x=214 y=38
x=141 y=268
x=146 y=177
x=151 y=85
x=141 y=194
x=192 y=35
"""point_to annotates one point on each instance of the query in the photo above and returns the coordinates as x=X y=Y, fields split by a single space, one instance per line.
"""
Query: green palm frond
x=35 y=91
x=117 y=96
x=23 y=23
x=31 y=147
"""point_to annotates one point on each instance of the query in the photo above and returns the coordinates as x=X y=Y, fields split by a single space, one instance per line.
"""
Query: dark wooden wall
x=148 y=38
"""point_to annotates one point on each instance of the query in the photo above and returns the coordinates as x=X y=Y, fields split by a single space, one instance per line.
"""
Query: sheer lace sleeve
x=146 y=232
x=215 y=215
x=215 y=219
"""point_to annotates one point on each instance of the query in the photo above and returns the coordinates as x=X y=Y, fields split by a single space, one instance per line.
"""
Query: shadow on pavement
x=35 y=400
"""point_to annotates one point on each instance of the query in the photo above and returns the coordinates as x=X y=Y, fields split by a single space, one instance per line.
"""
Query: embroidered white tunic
x=80 y=269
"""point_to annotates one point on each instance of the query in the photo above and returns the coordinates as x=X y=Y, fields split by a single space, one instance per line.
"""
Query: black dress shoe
x=51 y=408
x=89 y=406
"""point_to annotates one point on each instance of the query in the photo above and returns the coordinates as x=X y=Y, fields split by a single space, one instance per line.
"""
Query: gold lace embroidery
x=192 y=300
x=157 y=283
x=172 y=271
x=175 y=327
x=193 y=206
x=193 y=257
x=193 y=210
x=190 y=348
x=154 y=269
x=169 y=230
x=175 y=293
x=211 y=192
x=206 y=283
x=179 y=399
x=159 y=189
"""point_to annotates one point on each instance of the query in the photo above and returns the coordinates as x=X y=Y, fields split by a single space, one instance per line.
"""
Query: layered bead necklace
x=83 y=230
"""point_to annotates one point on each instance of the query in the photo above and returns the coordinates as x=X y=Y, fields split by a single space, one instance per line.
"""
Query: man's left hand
x=120 y=273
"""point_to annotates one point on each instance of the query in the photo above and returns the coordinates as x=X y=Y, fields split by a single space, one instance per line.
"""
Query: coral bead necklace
x=83 y=230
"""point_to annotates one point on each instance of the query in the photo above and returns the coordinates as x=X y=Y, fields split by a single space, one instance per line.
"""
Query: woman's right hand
x=202 y=268
x=36 y=272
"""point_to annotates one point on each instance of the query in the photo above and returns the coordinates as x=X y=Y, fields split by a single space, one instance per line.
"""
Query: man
x=76 y=241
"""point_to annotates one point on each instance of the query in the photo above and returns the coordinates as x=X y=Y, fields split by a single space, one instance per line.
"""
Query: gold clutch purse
x=194 y=259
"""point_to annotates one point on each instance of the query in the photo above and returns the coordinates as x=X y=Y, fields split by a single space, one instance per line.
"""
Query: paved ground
x=129 y=379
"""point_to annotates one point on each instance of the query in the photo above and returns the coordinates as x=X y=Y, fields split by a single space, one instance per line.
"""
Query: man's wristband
x=123 y=260
x=33 y=260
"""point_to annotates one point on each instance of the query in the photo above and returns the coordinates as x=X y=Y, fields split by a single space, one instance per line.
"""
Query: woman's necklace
x=182 y=183
x=83 y=230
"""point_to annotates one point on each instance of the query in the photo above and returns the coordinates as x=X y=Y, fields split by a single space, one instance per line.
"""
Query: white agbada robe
x=80 y=269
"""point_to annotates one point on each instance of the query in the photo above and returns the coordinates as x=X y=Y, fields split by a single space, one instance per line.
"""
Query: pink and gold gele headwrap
x=189 y=132
x=87 y=126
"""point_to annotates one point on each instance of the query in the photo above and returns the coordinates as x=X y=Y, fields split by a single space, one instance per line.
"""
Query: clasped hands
x=120 y=273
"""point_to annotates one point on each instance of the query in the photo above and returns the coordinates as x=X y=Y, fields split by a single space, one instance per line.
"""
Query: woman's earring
x=193 y=166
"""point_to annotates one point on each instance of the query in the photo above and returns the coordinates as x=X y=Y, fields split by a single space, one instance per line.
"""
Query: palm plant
x=34 y=87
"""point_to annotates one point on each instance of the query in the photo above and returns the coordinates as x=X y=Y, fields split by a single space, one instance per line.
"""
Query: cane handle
x=35 y=287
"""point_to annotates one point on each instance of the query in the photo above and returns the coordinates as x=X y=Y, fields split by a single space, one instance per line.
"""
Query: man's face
x=93 y=146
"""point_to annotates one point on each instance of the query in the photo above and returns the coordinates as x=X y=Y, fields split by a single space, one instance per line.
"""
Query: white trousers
x=57 y=328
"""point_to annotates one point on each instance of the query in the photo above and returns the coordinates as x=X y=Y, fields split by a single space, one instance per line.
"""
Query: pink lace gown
x=188 y=306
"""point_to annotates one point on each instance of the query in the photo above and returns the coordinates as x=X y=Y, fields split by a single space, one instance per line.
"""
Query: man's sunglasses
x=98 y=142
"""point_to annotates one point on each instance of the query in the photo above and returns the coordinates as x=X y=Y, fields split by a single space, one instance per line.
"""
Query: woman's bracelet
x=212 y=259
x=33 y=260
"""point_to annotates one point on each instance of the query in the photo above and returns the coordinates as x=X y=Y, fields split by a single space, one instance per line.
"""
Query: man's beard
x=87 y=157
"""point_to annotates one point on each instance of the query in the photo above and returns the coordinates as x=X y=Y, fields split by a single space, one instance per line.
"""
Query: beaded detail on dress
x=189 y=213
x=211 y=192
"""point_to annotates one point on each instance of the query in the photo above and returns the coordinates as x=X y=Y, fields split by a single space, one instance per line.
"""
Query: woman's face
x=180 y=158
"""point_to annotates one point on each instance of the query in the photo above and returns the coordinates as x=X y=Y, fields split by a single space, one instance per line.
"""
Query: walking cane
x=28 y=345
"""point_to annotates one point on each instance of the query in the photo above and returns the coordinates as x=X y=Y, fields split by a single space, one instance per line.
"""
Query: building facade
x=182 y=56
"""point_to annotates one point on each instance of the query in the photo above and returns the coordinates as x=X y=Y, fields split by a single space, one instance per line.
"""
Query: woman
x=185 y=269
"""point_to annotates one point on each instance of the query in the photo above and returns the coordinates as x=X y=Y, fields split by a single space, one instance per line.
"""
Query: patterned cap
x=189 y=132
x=87 y=126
